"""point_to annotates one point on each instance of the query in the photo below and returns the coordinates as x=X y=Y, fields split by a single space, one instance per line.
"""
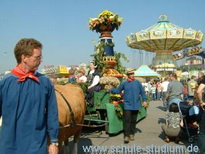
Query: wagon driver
x=133 y=92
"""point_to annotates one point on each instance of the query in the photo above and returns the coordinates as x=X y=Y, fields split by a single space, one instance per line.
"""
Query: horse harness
x=73 y=122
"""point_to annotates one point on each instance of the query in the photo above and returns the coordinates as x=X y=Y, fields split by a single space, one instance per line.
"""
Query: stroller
x=188 y=120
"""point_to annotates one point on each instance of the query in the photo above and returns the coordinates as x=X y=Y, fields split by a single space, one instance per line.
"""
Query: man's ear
x=23 y=58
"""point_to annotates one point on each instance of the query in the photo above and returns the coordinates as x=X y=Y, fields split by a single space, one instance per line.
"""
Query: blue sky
x=62 y=26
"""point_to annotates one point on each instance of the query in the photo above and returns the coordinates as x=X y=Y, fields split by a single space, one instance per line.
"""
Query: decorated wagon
x=108 y=112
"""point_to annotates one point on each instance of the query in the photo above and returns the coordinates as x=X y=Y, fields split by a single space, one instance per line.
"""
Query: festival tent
x=145 y=71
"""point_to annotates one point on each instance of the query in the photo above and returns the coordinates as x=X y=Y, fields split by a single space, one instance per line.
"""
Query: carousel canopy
x=164 y=36
x=145 y=71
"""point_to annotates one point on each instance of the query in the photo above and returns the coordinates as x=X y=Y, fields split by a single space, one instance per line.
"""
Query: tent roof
x=145 y=71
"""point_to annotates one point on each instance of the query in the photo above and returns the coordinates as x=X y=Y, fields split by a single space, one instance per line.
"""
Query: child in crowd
x=172 y=127
x=194 y=114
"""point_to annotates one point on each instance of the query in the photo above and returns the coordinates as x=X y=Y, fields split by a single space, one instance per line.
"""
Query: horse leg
x=66 y=148
x=75 y=140
x=75 y=148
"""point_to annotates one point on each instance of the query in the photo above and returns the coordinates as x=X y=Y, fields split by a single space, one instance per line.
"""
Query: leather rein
x=73 y=122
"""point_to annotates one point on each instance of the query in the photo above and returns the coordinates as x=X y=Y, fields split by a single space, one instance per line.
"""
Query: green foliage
x=100 y=53
x=119 y=67
x=84 y=86
x=98 y=56
x=119 y=111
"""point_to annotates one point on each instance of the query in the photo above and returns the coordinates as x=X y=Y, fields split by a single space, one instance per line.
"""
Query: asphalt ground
x=149 y=138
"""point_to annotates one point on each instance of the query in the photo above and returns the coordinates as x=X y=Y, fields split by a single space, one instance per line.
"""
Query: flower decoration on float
x=106 y=21
x=115 y=97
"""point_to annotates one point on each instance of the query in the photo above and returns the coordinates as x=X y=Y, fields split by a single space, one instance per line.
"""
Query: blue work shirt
x=29 y=113
x=133 y=92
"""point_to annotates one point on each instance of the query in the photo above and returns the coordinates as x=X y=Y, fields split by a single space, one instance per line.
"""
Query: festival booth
x=145 y=71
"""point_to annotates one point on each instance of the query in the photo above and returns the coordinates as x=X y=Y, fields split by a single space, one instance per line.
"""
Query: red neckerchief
x=130 y=80
x=22 y=75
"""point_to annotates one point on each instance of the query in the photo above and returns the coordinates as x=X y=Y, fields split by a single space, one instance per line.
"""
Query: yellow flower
x=111 y=18
x=106 y=20
x=115 y=95
x=105 y=13
x=120 y=20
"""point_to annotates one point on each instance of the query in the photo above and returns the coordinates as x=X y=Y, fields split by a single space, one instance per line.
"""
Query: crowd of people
x=91 y=77
x=173 y=94
x=189 y=95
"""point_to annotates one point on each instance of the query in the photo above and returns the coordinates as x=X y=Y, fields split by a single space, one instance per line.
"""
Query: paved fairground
x=148 y=138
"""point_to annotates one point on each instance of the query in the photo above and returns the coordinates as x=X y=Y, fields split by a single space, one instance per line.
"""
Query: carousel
x=164 y=38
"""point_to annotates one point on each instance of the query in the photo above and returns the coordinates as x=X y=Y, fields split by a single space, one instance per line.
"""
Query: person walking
x=175 y=90
x=28 y=105
x=164 y=85
x=159 y=89
x=133 y=92
x=153 y=91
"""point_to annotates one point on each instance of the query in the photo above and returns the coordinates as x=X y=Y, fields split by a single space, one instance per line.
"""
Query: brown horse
x=71 y=110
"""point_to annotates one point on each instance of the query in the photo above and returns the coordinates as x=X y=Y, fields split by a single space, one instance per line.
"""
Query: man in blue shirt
x=28 y=105
x=133 y=93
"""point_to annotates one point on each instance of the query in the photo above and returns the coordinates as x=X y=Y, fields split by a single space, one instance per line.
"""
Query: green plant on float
x=83 y=86
x=119 y=67
x=98 y=56
x=100 y=53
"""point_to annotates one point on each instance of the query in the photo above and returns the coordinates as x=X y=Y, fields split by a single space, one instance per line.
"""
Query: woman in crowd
x=81 y=78
x=93 y=79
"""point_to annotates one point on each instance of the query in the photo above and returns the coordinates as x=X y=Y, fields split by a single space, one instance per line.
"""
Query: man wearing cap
x=133 y=92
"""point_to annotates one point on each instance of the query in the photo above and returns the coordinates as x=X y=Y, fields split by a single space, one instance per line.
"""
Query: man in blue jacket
x=28 y=105
x=133 y=93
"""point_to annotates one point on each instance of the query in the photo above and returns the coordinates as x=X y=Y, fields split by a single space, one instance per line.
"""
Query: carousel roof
x=145 y=71
x=164 y=36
